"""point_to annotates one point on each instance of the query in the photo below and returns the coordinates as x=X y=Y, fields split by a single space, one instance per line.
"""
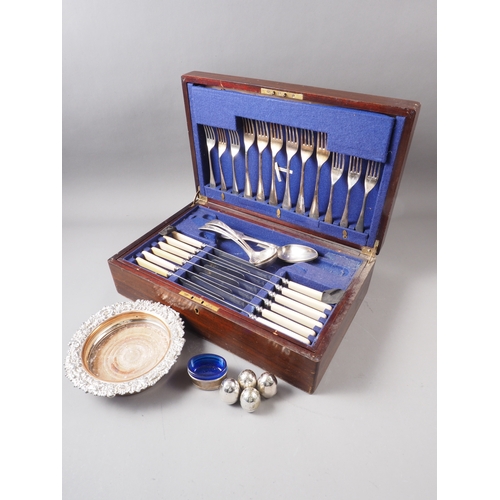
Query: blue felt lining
x=352 y=132
x=371 y=136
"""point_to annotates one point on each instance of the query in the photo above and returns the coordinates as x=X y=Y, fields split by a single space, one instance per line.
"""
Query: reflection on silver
x=250 y=399
x=124 y=348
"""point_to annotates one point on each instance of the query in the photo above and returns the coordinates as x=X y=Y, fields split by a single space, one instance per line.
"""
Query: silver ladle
x=258 y=258
x=291 y=253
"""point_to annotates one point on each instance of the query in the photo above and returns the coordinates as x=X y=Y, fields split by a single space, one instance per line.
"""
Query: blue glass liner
x=207 y=367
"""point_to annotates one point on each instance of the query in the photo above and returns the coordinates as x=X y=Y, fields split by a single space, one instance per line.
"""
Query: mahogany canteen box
x=284 y=165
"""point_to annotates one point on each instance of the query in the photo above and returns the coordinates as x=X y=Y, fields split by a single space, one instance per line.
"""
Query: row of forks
x=272 y=135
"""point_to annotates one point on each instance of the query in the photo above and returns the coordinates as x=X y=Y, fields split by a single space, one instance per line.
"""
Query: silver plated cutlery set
x=291 y=308
x=307 y=145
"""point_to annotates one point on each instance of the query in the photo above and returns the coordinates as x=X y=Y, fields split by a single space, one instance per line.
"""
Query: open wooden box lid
x=376 y=129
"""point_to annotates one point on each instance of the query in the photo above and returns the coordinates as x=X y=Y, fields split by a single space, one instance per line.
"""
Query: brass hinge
x=282 y=93
x=199 y=199
x=370 y=252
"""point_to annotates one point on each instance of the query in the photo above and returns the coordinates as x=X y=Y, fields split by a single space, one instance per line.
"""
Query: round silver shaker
x=250 y=399
x=247 y=378
x=267 y=384
x=229 y=391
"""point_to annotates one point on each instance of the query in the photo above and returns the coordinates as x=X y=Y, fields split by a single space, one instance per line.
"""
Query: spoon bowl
x=263 y=257
x=296 y=253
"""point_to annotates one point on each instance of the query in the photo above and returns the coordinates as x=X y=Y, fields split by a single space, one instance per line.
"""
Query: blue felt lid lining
x=367 y=135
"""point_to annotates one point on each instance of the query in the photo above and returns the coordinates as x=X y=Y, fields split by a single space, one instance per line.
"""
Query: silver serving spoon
x=257 y=258
x=291 y=253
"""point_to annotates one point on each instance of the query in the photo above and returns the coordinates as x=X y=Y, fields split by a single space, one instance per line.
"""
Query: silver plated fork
x=306 y=151
x=338 y=162
x=234 y=140
x=292 y=147
x=322 y=155
x=222 y=145
x=371 y=179
x=262 y=142
x=248 y=140
x=276 y=133
x=210 y=136
x=353 y=175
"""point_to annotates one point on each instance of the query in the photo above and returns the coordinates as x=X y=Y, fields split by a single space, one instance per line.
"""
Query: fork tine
x=321 y=140
x=221 y=135
x=336 y=171
x=261 y=128
x=276 y=146
x=340 y=161
x=209 y=132
x=235 y=138
x=355 y=168
x=262 y=133
x=210 y=139
x=371 y=178
x=277 y=131
x=306 y=151
x=292 y=147
x=322 y=155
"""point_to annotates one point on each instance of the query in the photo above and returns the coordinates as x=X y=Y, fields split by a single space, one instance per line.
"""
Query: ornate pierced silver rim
x=125 y=348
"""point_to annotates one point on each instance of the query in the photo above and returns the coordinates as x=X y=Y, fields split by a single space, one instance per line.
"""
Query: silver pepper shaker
x=247 y=378
x=250 y=399
x=229 y=391
x=267 y=384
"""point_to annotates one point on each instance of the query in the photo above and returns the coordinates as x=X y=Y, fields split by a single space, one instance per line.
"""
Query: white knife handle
x=159 y=261
x=282 y=330
x=287 y=323
x=295 y=316
x=310 y=292
x=152 y=267
x=297 y=306
x=187 y=239
x=179 y=244
x=304 y=299
x=176 y=251
x=168 y=256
